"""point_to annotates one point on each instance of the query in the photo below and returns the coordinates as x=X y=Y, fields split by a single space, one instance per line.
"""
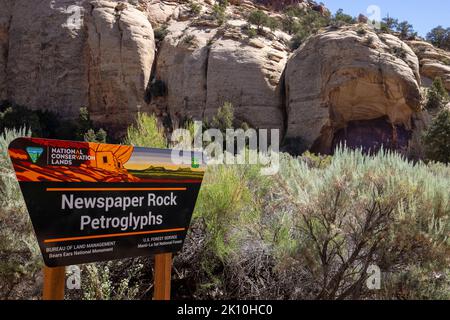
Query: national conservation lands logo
x=195 y=163
x=58 y=156
x=34 y=153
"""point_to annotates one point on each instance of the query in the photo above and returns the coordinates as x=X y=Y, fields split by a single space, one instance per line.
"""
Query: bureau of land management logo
x=34 y=153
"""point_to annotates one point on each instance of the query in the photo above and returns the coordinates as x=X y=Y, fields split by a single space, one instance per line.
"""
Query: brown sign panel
x=92 y=202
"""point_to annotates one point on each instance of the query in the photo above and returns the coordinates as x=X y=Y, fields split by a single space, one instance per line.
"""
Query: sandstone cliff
x=204 y=66
x=346 y=75
x=434 y=62
x=62 y=55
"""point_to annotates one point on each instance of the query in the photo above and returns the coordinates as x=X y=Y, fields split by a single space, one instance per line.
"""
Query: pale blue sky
x=423 y=15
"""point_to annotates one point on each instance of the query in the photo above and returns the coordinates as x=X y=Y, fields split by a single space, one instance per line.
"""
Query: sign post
x=92 y=202
x=162 y=275
x=54 y=282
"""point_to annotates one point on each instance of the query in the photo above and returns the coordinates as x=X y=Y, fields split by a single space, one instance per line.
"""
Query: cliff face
x=62 y=55
x=217 y=65
x=349 y=76
x=434 y=62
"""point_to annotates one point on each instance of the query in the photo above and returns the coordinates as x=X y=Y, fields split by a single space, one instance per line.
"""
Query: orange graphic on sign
x=36 y=159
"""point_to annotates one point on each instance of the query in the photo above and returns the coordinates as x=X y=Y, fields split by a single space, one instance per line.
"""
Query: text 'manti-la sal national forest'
x=93 y=202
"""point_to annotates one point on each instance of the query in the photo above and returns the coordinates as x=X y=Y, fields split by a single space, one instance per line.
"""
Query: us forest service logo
x=34 y=153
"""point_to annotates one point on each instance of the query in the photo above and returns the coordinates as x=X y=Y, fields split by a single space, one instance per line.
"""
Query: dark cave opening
x=372 y=135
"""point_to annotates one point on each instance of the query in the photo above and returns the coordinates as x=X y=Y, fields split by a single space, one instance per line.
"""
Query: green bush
x=308 y=232
x=161 y=32
x=113 y=280
x=272 y=23
x=259 y=18
x=340 y=18
x=20 y=259
x=249 y=31
x=194 y=8
x=298 y=39
x=399 y=52
x=437 y=138
x=224 y=119
x=361 y=31
x=312 y=230
x=303 y=24
x=146 y=132
x=360 y=211
x=46 y=124
x=389 y=24
x=290 y=24
x=92 y=136
x=440 y=37
x=219 y=12
x=437 y=96
x=189 y=40
x=406 y=30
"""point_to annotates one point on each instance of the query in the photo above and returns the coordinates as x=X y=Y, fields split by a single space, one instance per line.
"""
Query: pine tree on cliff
x=437 y=138
x=437 y=95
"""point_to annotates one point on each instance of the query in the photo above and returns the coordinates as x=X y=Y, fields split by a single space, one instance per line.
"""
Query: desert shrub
x=9 y=188
x=303 y=24
x=272 y=23
x=369 y=41
x=439 y=37
x=161 y=32
x=316 y=161
x=46 y=124
x=92 y=136
x=84 y=131
x=18 y=117
x=20 y=262
x=228 y=207
x=389 y=24
x=361 y=211
x=340 y=18
x=189 y=40
x=436 y=139
x=224 y=118
x=312 y=231
x=290 y=24
x=437 y=95
x=406 y=30
x=115 y=280
x=259 y=18
x=194 y=8
x=399 y=52
x=361 y=31
x=146 y=132
x=298 y=39
x=219 y=12
x=249 y=31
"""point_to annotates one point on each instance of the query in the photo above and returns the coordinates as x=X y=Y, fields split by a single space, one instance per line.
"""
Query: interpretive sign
x=92 y=202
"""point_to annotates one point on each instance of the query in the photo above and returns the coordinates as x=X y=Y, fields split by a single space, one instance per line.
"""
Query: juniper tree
x=437 y=138
x=437 y=95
